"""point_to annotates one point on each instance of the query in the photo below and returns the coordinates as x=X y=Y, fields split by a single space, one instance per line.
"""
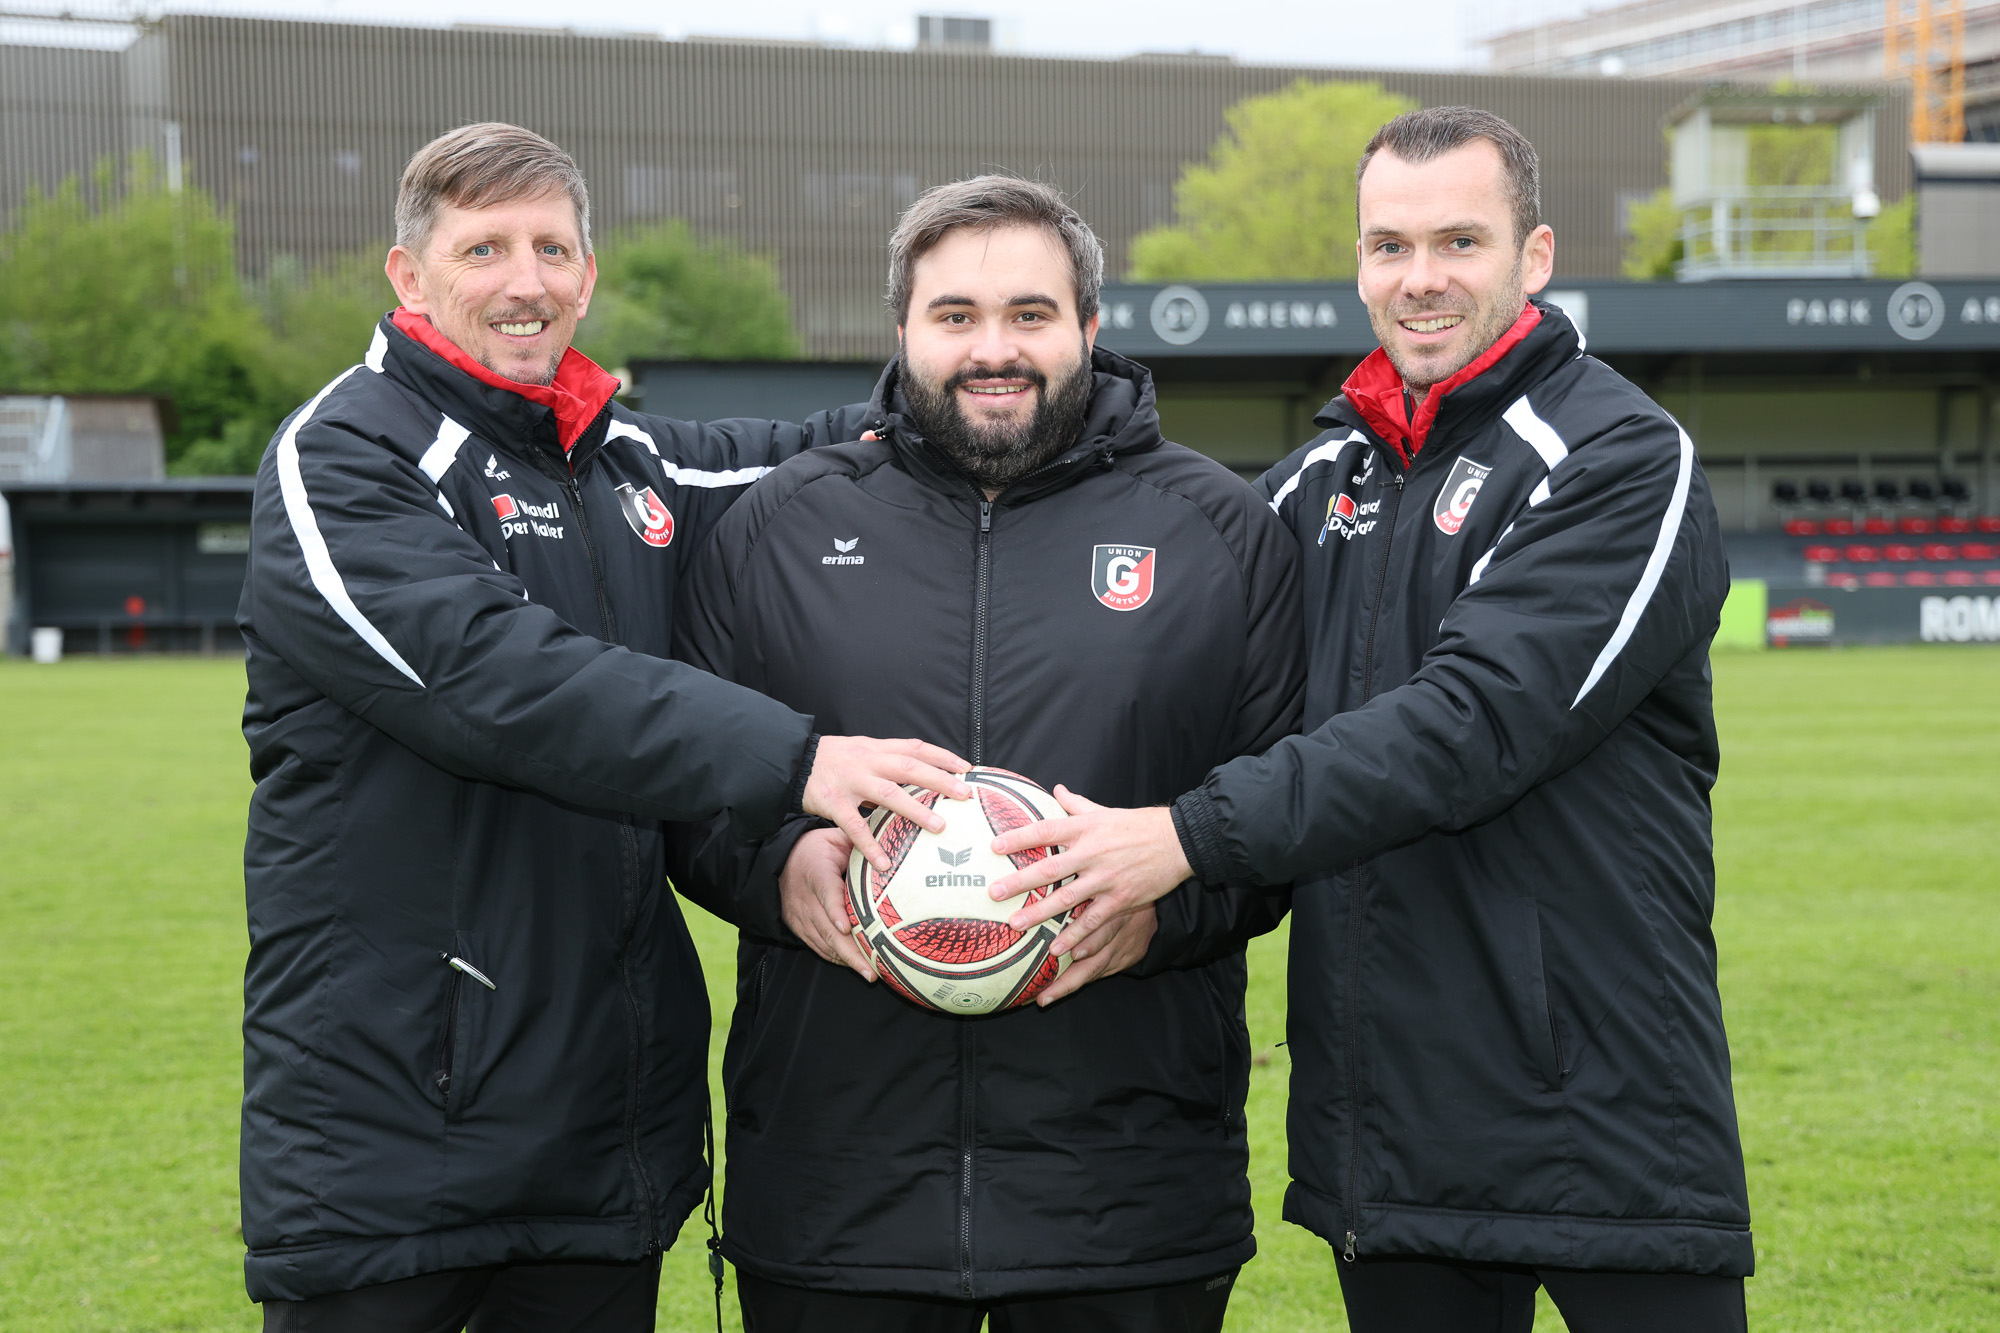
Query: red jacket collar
x=1376 y=390
x=581 y=390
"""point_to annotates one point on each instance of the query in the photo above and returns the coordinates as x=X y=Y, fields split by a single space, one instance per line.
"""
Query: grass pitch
x=1859 y=923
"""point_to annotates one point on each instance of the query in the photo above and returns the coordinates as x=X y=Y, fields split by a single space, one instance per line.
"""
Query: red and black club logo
x=1121 y=577
x=1461 y=488
x=648 y=517
x=504 y=506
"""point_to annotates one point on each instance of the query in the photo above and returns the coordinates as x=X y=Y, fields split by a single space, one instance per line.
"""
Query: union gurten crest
x=648 y=517
x=1121 y=577
x=1461 y=488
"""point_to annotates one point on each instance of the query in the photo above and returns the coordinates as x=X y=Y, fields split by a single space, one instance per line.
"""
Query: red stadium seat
x=1824 y=555
x=1900 y=553
x=1838 y=527
x=1882 y=580
x=1987 y=523
x=1991 y=576
x=1920 y=578
x=1863 y=555
x=1960 y=578
x=1877 y=527
x=1954 y=525
x=1978 y=551
x=1801 y=527
x=1939 y=551
x=1843 y=581
x=1915 y=527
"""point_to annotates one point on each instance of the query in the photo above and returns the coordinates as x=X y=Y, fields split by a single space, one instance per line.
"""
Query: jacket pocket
x=1233 y=1037
x=1538 y=1027
x=456 y=1076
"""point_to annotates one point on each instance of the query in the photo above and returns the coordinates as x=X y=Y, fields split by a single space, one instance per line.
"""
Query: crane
x=1924 y=41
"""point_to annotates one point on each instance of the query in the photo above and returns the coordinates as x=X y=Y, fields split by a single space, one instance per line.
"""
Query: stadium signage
x=1959 y=620
x=1829 y=616
x=1765 y=315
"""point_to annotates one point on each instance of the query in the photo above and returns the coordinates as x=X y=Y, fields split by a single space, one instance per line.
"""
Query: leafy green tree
x=666 y=293
x=1275 y=199
x=135 y=293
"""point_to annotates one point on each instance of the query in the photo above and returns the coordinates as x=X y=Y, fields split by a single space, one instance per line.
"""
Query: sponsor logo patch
x=843 y=553
x=1803 y=619
x=1121 y=577
x=650 y=519
x=1348 y=518
x=493 y=469
x=518 y=518
x=1461 y=488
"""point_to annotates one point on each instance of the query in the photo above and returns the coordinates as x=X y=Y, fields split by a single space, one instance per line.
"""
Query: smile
x=997 y=389
x=527 y=330
x=1437 y=325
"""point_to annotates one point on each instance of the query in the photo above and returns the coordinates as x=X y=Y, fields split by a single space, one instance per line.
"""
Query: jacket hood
x=1373 y=397
x=556 y=415
x=1122 y=417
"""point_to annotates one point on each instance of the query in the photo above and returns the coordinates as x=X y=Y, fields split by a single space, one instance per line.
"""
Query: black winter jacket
x=463 y=734
x=1098 y=1143
x=1506 y=1039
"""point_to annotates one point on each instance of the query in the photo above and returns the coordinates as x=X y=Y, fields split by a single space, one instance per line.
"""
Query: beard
x=1485 y=323
x=998 y=454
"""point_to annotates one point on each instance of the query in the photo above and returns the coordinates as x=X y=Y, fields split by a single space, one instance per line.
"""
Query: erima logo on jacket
x=650 y=519
x=518 y=518
x=844 y=546
x=1121 y=577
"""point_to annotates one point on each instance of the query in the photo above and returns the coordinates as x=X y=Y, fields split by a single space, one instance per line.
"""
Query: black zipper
x=965 y=1126
x=967 y=1074
x=982 y=580
x=448 y=1044
x=1355 y=913
x=629 y=841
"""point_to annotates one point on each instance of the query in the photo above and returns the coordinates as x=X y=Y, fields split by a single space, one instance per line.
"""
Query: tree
x=135 y=294
x=665 y=293
x=1275 y=199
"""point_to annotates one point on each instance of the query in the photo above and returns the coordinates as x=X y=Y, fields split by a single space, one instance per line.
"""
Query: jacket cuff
x=1199 y=828
x=795 y=799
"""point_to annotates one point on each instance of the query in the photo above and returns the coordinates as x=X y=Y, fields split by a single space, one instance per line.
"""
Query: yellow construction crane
x=1924 y=41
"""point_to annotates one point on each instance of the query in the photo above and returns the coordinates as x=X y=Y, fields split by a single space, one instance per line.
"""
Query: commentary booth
x=1847 y=426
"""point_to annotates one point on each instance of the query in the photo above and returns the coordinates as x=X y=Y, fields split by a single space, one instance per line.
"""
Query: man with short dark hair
x=475 y=1030
x=1024 y=551
x=1509 y=1065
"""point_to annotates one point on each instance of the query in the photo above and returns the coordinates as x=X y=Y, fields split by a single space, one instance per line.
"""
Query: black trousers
x=514 y=1298
x=1439 y=1296
x=1186 y=1307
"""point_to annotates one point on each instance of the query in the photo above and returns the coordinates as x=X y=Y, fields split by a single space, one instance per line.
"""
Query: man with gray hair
x=1030 y=572
x=1509 y=1069
x=475 y=1029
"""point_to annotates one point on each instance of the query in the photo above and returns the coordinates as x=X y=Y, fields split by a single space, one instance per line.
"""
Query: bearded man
x=1509 y=1065
x=1009 y=566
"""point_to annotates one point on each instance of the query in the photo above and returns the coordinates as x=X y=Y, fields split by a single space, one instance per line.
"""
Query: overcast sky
x=1415 y=33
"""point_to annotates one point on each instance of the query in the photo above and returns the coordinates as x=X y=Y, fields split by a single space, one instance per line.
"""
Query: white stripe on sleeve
x=683 y=476
x=378 y=347
x=1656 y=564
x=437 y=459
x=319 y=562
x=1318 y=454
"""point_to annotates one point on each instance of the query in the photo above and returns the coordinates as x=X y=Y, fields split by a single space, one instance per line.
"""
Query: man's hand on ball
x=850 y=772
x=1117 y=943
x=813 y=891
x=1124 y=859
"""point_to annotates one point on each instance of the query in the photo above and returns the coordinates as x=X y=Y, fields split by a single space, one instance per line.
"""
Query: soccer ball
x=929 y=928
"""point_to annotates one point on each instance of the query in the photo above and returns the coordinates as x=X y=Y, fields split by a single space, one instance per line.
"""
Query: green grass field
x=1858 y=822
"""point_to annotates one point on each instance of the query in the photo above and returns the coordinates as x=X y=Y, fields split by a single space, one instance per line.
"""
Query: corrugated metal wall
x=804 y=152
